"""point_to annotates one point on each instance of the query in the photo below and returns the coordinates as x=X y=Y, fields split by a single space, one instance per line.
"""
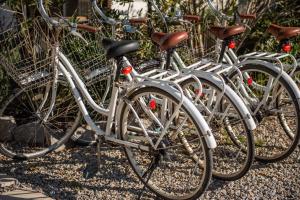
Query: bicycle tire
x=293 y=92
x=13 y=107
x=200 y=187
x=247 y=161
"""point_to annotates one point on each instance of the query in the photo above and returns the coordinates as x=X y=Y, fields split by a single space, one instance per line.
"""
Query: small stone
x=6 y=181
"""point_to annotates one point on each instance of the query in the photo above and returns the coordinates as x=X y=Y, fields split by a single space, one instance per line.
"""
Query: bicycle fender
x=276 y=69
x=234 y=98
x=197 y=116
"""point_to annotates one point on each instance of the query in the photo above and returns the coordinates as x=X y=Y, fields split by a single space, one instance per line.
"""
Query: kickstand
x=98 y=153
x=93 y=167
x=148 y=173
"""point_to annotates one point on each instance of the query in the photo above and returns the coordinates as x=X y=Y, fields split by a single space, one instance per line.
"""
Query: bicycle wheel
x=181 y=166
x=296 y=78
x=234 y=154
x=33 y=136
x=279 y=112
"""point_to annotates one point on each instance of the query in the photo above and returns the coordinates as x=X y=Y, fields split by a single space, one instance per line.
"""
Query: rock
x=7 y=125
x=24 y=194
x=32 y=134
x=6 y=181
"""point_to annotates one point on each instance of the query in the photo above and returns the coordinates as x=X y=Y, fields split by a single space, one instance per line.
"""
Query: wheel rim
x=276 y=119
x=233 y=154
x=33 y=136
x=173 y=180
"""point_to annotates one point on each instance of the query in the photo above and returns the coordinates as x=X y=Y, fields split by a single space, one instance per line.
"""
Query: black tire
x=206 y=166
x=225 y=131
x=42 y=137
x=296 y=78
x=263 y=150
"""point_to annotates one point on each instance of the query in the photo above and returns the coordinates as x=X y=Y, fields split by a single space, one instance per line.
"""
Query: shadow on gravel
x=49 y=173
x=260 y=165
x=215 y=184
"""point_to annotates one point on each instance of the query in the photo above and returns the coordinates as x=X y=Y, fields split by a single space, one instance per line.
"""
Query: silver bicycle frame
x=202 y=70
x=113 y=112
x=77 y=85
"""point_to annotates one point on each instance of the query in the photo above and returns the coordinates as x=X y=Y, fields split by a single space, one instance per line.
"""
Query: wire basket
x=87 y=55
x=26 y=53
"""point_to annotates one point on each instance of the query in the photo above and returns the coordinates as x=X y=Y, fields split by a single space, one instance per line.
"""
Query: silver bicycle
x=223 y=109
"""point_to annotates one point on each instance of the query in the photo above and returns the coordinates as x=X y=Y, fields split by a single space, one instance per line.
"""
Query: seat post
x=169 y=56
x=119 y=66
x=224 y=45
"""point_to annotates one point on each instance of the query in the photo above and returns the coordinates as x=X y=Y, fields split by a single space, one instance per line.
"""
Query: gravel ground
x=61 y=176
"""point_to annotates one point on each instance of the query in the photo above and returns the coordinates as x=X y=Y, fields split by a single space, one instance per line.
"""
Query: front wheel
x=234 y=153
x=180 y=168
x=33 y=136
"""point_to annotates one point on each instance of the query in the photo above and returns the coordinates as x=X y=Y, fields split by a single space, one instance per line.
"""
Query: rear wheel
x=278 y=117
x=181 y=166
x=234 y=153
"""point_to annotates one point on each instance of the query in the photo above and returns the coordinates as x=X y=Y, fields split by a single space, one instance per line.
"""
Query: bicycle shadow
x=109 y=172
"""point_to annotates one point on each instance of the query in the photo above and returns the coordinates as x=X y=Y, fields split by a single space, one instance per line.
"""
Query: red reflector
x=231 y=44
x=127 y=70
x=197 y=91
x=287 y=47
x=152 y=104
x=250 y=81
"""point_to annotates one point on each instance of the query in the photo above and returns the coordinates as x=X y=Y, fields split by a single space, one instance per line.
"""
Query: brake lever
x=79 y=35
x=73 y=28
x=65 y=21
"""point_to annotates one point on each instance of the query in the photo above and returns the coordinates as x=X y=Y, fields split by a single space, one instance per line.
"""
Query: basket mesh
x=26 y=53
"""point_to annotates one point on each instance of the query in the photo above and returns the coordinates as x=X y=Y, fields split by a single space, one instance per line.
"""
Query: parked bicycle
x=216 y=93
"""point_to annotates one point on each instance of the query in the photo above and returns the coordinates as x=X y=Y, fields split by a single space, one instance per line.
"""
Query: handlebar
x=237 y=16
x=219 y=14
x=160 y=14
x=88 y=28
x=106 y=19
x=45 y=15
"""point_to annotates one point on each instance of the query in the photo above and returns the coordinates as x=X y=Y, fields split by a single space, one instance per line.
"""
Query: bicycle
x=255 y=78
x=216 y=94
x=283 y=35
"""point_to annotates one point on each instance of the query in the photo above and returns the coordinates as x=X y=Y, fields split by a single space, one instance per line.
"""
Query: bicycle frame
x=113 y=111
x=195 y=72
x=234 y=62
